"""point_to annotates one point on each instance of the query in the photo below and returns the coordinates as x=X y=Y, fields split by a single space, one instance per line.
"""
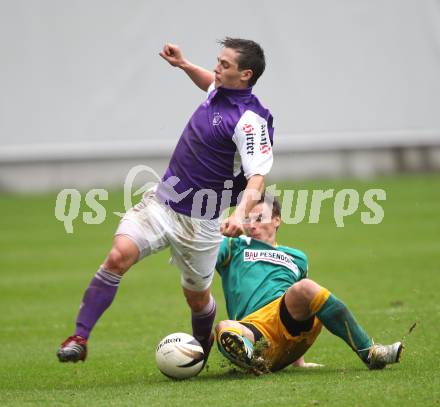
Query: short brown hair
x=271 y=200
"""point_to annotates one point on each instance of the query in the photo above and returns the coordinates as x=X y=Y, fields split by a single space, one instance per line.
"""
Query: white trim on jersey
x=254 y=149
x=210 y=89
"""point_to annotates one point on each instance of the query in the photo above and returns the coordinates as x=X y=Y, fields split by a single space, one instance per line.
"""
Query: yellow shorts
x=283 y=348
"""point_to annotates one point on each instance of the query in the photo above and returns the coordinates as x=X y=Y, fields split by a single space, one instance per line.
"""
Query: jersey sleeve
x=224 y=254
x=251 y=137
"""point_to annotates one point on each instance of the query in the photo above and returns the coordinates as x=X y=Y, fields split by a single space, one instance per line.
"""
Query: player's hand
x=232 y=226
x=172 y=54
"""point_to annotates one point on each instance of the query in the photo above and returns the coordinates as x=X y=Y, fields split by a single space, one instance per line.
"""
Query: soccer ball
x=179 y=356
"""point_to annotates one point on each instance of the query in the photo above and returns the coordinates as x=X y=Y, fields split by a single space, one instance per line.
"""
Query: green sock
x=338 y=319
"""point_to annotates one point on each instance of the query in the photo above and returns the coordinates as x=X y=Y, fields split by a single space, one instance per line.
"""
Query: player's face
x=261 y=225
x=227 y=73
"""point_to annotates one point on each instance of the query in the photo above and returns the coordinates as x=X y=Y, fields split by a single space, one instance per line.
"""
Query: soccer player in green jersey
x=270 y=300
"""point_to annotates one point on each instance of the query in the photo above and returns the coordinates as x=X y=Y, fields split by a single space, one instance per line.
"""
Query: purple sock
x=97 y=298
x=202 y=322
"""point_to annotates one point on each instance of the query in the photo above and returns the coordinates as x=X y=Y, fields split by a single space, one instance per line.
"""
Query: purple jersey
x=227 y=140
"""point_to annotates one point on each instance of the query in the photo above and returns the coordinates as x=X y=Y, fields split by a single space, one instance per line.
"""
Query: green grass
x=388 y=274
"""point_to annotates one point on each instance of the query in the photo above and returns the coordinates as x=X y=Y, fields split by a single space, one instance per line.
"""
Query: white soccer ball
x=179 y=356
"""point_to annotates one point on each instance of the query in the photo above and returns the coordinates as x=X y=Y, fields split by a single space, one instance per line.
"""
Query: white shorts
x=194 y=243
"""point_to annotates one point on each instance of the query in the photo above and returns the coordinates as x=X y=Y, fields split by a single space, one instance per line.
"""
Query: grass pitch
x=388 y=274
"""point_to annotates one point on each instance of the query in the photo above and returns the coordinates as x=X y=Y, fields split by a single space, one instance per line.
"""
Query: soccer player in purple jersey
x=222 y=155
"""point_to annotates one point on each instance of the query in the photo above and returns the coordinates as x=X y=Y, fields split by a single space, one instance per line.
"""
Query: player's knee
x=304 y=290
x=197 y=300
x=116 y=262
x=196 y=303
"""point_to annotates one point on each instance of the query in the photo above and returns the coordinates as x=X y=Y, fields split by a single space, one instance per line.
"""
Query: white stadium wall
x=354 y=86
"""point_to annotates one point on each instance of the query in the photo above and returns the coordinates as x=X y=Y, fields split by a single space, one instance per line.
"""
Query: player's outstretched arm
x=200 y=76
x=307 y=365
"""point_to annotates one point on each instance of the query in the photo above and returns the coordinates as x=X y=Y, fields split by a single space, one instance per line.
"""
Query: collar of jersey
x=234 y=92
x=249 y=239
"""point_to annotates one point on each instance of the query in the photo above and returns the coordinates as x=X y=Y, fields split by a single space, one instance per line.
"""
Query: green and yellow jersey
x=255 y=273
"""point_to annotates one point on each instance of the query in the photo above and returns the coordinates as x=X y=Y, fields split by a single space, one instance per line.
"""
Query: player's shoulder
x=257 y=107
x=254 y=114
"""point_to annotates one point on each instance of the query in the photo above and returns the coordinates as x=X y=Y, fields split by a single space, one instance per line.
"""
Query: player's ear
x=246 y=75
x=277 y=221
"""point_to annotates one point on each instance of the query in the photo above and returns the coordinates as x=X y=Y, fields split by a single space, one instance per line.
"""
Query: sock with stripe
x=202 y=322
x=338 y=319
x=97 y=298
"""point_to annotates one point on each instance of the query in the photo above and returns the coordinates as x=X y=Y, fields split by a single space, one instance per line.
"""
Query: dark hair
x=251 y=56
x=271 y=201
